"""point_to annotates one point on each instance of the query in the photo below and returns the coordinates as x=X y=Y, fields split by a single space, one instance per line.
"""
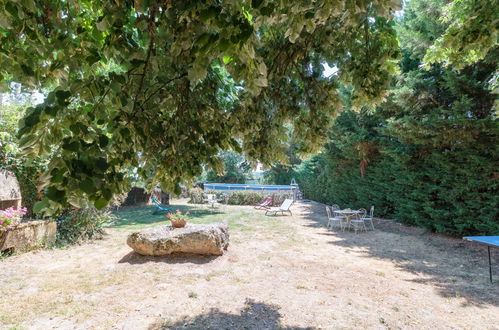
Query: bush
x=244 y=198
x=26 y=171
x=76 y=225
x=277 y=199
x=221 y=196
x=252 y=198
x=184 y=193
x=442 y=189
x=196 y=196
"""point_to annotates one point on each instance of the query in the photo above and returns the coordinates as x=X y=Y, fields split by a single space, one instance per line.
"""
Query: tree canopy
x=164 y=86
x=236 y=169
x=470 y=35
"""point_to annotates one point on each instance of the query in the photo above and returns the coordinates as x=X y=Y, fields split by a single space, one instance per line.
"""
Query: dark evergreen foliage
x=429 y=156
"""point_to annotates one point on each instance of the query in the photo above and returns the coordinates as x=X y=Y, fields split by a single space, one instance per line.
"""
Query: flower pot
x=179 y=223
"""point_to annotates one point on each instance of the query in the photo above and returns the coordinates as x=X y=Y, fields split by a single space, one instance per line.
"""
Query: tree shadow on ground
x=148 y=215
x=456 y=268
x=134 y=258
x=254 y=315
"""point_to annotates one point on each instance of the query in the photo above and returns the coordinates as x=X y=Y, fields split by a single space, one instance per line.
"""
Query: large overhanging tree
x=163 y=86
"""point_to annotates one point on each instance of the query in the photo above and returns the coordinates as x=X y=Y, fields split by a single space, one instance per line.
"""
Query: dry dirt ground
x=284 y=272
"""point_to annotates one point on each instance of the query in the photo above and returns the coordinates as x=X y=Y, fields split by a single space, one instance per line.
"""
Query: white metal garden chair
x=362 y=213
x=359 y=224
x=332 y=219
x=211 y=200
x=335 y=207
x=369 y=218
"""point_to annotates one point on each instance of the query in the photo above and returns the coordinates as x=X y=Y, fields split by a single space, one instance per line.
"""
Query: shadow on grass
x=254 y=315
x=141 y=216
x=457 y=269
x=134 y=258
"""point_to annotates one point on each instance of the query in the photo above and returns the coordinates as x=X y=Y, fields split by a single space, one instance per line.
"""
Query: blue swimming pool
x=252 y=187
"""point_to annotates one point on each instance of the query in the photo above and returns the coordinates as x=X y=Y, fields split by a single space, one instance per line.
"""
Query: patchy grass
x=279 y=272
x=238 y=218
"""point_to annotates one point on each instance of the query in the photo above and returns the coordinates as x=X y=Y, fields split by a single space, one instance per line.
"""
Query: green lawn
x=239 y=218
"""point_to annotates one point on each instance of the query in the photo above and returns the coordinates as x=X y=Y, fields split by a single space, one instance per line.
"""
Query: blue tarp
x=487 y=240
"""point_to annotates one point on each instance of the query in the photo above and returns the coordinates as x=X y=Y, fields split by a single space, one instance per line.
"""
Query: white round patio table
x=348 y=214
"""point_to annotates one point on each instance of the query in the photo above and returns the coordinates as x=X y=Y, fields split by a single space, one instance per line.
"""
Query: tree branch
x=103 y=96
x=152 y=34
x=163 y=86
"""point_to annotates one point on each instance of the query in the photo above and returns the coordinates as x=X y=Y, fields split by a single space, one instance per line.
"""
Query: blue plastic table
x=489 y=241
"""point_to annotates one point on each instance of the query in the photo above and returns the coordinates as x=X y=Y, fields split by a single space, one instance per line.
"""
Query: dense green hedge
x=444 y=192
x=253 y=198
x=444 y=178
x=432 y=165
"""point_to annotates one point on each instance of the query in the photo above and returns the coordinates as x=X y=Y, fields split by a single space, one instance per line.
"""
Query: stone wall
x=28 y=235
x=10 y=192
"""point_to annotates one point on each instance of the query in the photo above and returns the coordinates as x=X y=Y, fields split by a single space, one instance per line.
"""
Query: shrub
x=76 y=225
x=277 y=199
x=245 y=198
x=252 y=198
x=452 y=191
x=184 y=193
x=221 y=196
x=26 y=171
x=196 y=196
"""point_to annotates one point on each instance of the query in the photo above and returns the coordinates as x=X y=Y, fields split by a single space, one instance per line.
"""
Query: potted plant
x=178 y=219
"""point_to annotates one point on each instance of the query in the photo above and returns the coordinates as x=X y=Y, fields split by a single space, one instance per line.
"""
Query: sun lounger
x=283 y=208
x=160 y=207
x=264 y=205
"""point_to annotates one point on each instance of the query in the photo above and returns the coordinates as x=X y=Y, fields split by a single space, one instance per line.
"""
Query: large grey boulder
x=209 y=239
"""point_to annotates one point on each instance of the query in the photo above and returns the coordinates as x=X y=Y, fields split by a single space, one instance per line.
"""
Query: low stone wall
x=28 y=235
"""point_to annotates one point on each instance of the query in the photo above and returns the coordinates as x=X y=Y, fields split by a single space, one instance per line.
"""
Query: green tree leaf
x=100 y=203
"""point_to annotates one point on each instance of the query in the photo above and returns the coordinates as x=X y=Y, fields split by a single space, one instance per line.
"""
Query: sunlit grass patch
x=238 y=218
